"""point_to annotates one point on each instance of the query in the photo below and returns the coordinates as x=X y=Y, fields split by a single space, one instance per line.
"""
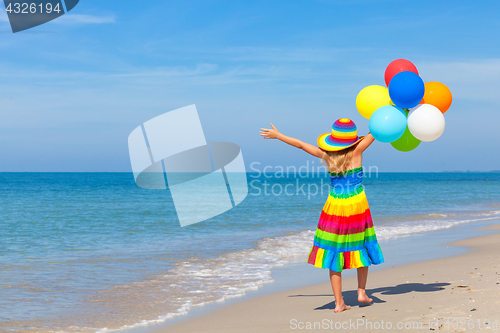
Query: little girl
x=345 y=237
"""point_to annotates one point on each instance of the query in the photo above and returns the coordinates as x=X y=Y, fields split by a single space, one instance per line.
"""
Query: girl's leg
x=362 y=277
x=336 y=280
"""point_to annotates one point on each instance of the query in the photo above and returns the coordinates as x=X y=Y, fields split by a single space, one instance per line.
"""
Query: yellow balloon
x=371 y=98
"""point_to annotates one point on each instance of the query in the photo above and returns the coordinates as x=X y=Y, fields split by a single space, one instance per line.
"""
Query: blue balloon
x=388 y=123
x=406 y=89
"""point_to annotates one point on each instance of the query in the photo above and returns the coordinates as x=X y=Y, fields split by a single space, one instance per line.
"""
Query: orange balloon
x=437 y=94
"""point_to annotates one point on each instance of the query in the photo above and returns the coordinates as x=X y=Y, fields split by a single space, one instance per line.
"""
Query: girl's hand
x=274 y=134
x=269 y=133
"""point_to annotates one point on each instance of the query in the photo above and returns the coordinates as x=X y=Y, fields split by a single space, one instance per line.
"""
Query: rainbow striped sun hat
x=344 y=135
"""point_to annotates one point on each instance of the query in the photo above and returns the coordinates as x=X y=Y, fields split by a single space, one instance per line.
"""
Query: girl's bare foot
x=341 y=307
x=363 y=298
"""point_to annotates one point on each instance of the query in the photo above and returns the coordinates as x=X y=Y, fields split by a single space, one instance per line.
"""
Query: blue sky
x=73 y=89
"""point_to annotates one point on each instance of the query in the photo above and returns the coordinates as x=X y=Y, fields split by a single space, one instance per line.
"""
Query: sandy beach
x=456 y=294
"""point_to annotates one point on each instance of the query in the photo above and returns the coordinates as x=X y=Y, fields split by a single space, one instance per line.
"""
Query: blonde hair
x=338 y=161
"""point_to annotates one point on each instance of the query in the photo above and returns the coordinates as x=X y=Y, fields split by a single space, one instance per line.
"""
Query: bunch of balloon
x=407 y=111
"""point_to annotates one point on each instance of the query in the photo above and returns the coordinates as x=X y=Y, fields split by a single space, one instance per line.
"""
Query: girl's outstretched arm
x=363 y=144
x=275 y=134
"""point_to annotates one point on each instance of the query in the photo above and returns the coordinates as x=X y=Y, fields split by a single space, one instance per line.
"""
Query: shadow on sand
x=351 y=296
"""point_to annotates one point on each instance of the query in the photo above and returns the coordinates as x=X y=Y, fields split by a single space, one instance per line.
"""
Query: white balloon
x=426 y=122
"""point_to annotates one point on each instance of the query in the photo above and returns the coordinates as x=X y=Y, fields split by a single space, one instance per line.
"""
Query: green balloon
x=407 y=142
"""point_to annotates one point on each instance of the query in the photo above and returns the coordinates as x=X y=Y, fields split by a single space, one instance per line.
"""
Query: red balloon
x=398 y=66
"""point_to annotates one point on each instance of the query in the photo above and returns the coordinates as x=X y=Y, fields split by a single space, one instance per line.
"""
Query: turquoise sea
x=92 y=252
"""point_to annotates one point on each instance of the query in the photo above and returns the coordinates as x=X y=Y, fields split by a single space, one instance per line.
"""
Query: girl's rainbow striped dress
x=345 y=237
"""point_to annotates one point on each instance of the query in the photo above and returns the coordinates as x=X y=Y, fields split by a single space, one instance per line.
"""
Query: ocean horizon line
x=276 y=172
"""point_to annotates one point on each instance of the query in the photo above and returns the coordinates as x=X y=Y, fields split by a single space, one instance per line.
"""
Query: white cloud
x=272 y=54
x=71 y=18
x=460 y=72
x=283 y=54
x=474 y=80
x=84 y=19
